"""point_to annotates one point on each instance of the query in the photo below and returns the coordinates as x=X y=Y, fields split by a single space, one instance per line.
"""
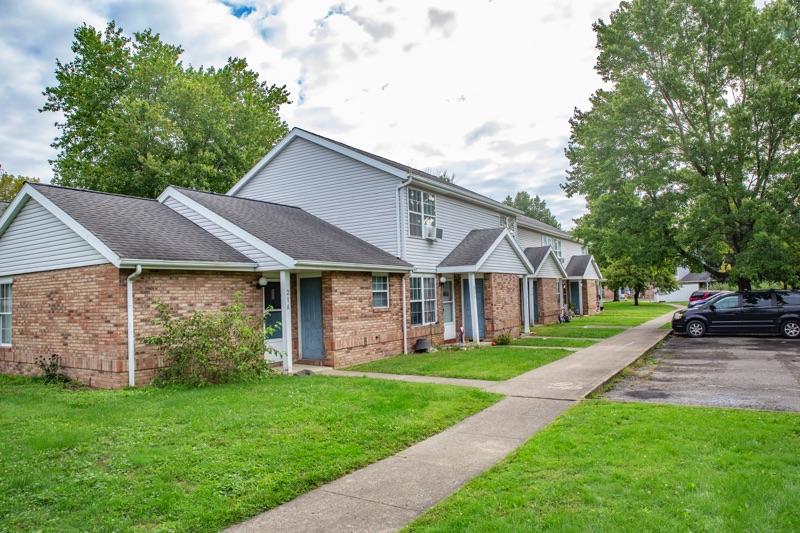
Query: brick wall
x=501 y=304
x=589 y=296
x=81 y=315
x=548 y=300
x=353 y=330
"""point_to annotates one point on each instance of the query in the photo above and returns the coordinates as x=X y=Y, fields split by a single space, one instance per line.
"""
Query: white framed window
x=5 y=312
x=273 y=309
x=555 y=243
x=421 y=211
x=380 y=290
x=510 y=223
x=423 y=300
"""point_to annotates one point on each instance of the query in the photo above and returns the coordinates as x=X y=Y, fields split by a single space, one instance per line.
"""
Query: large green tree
x=10 y=184
x=533 y=207
x=137 y=120
x=693 y=153
x=627 y=272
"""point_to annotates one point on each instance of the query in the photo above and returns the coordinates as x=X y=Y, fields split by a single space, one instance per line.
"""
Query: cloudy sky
x=483 y=89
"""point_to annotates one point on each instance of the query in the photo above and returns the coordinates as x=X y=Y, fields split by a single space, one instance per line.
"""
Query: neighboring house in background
x=370 y=257
x=690 y=282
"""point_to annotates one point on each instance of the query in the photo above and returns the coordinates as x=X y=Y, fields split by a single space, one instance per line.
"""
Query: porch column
x=473 y=298
x=526 y=313
x=286 y=319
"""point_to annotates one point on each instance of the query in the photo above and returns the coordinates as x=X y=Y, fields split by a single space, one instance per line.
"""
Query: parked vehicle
x=771 y=311
x=702 y=295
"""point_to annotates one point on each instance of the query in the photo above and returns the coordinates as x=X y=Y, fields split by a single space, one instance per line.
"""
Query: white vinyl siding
x=456 y=219
x=423 y=300
x=37 y=241
x=504 y=259
x=380 y=290
x=351 y=195
x=549 y=269
x=5 y=312
x=264 y=261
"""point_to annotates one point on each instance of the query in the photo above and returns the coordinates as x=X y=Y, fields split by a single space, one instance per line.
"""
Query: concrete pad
x=404 y=483
x=509 y=426
x=467 y=452
x=539 y=408
x=325 y=512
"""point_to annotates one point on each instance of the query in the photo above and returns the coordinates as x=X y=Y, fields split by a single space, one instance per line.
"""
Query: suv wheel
x=791 y=329
x=695 y=328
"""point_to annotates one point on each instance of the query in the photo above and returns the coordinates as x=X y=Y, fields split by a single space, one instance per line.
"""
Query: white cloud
x=483 y=90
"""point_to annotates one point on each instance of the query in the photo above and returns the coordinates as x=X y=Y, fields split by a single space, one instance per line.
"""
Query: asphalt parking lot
x=742 y=371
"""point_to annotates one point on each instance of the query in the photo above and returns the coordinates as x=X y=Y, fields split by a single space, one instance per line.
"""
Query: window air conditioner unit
x=432 y=233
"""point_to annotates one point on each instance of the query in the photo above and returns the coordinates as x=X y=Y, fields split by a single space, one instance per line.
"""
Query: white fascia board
x=29 y=192
x=187 y=265
x=596 y=268
x=552 y=253
x=555 y=232
x=464 y=269
x=228 y=226
x=506 y=235
x=356 y=267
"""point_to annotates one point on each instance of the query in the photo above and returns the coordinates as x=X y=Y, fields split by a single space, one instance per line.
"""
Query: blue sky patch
x=240 y=10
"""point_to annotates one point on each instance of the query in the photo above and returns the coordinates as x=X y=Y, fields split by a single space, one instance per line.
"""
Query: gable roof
x=702 y=277
x=537 y=255
x=129 y=230
x=476 y=248
x=398 y=170
x=579 y=265
x=297 y=235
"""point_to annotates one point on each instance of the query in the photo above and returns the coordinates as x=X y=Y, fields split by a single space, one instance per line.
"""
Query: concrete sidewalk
x=389 y=494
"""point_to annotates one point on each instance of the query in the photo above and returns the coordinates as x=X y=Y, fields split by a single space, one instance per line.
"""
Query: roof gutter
x=401 y=249
x=187 y=265
x=358 y=267
x=131 y=333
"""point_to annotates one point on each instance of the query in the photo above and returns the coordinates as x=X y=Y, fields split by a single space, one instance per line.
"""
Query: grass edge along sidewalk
x=605 y=466
x=200 y=459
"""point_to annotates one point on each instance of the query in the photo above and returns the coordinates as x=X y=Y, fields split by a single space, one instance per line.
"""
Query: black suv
x=745 y=312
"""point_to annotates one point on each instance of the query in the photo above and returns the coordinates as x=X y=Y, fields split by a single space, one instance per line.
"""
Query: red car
x=702 y=295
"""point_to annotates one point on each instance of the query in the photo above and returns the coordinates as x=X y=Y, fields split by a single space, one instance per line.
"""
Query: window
x=729 y=302
x=423 y=300
x=5 y=313
x=380 y=290
x=273 y=308
x=510 y=223
x=421 y=211
x=555 y=243
x=788 y=298
x=759 y=299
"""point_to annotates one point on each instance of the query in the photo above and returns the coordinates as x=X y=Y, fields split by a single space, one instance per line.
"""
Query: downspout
x=131 y=338
x=401 y=249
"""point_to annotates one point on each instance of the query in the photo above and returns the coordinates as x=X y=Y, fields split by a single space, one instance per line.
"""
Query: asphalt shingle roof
x=577 y=265
x=536 y=254
x=295 y=232
x=470 y=250
x=702 y=277
x=138 y=228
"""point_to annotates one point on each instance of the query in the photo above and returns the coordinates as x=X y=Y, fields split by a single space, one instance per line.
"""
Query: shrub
x=502 y=339
x=210 y=347
x=51 y=369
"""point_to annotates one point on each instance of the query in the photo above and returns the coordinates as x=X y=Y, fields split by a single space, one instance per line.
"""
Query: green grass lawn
x=644 y=309
x=603 y=319
x=494 y=363
x=566 y=343
x=606 y=466
x=199 y=459
x=568 y=331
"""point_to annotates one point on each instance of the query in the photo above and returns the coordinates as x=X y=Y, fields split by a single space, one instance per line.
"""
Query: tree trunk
x=616 y=295
x=744 y=284
x=636 y=297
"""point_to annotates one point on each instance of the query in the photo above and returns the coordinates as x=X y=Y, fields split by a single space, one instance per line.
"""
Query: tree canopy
x=10 y=185
x=533 y=207
x=693 y=154
x=137 y=120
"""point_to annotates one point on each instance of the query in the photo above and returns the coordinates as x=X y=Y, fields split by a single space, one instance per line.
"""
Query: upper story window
x=510 y=223
x=421 y=211
x=380 y=290
x=555 y=243
x=5 y=312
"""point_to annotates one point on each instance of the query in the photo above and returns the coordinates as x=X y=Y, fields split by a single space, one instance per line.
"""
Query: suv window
x=728 y=302
x=788 y=298
x=698 y=294
x=756 y=299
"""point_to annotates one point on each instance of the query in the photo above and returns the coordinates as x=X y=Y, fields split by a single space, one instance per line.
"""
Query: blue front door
x=575 y=297
x=468 y=309
x=311 y=318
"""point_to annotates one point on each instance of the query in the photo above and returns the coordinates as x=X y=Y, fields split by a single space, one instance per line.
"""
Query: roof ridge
x=118 y=195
